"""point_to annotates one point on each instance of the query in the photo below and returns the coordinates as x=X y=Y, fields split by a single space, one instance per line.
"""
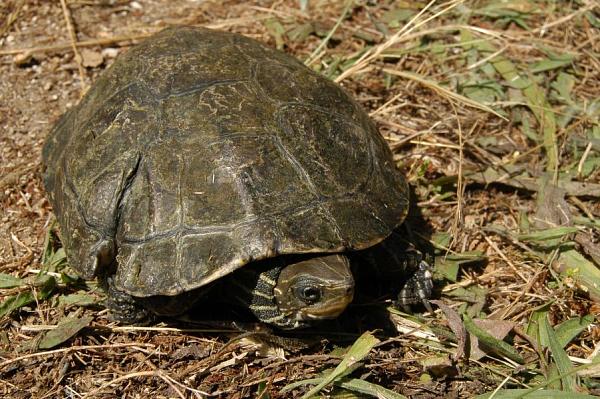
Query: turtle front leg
x=124 y=308
x=397 y=266
x=419 y=287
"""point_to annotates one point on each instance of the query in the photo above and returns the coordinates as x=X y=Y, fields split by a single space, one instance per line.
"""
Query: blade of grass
x=416 y=22
x=533 y=392
x=536 y=98
x=563 y=363
x=10 y=281
x=548 y=234
x=528 y=394
x=368 y=388
x=326 y=39
x=354 y=385
x=443 y=91
x=569 y=329
x=46 y=286
x=68 y=327
x=535 y=321
x=356 y=353
x=497 y=346
x=573 y=264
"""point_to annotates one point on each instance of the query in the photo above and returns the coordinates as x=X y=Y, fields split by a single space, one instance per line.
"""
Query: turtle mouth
x=330 y=309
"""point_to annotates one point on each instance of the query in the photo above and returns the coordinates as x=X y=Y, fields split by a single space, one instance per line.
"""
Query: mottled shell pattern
x=200 y=151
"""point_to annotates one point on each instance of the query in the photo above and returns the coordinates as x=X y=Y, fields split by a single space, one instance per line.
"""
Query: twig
x=375 y=52
x=542 y=30
x=12 y=17
x=460 y=187
x=385 y=106
x=443 y=91
x=71 y=349
x=83 y=43
x=583 y=158
x=139 y=329
x=312 y=57
x=499 y=252
x=116 y=39
x=73 y=37
x=157 y=373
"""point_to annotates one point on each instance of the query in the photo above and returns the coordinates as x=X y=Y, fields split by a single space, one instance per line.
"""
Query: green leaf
x=534 y=94
x=548 y=234
x=569 y=329
x=484 y=92
x=355 y=354
x=276 y=30
x=574 y=265
x=368 y=388
x=590 y=165
x=563 y=363
x=594 y=21
x=296 y=384
x=10 y=281
x=45 y=287
x=448 y=266
x=79 y=299
x=261 y=391
x=354 y=385
x=394 y=17
x=535 y=321
x=532 y=394
x=66 y=329
x=300 y=32
x=446 y=269
x=441 y=240
x=527 y=130
x=493 y=344
x=15 y=302
x=549 y=64
x=563 y=86
x=55 y=261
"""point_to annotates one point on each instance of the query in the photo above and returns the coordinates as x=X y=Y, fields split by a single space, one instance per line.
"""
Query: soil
x=41 y=78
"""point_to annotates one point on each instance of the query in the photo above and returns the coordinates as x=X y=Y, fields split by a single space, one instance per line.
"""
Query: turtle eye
x=308 y=294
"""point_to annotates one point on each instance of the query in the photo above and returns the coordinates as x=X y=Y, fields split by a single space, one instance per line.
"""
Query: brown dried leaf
x=499 y=329
x=552 y=209
x=457 y=327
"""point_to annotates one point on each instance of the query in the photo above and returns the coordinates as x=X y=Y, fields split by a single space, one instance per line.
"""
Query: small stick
x=153 y=373
x=583 y=158
x=12 y=17
x=83 y=43
x=71 y=349
x=499 y=252
x=73 y=37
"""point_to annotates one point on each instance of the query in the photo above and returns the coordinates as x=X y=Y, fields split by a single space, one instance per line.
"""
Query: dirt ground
x=505 y=178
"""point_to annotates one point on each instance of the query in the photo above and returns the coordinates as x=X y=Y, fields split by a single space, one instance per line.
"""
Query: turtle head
x=314 y=288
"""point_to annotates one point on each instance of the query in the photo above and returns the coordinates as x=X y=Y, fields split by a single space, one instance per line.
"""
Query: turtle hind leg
x=124 y=308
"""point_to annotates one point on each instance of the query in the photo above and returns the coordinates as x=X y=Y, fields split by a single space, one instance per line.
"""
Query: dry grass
x=492 y=111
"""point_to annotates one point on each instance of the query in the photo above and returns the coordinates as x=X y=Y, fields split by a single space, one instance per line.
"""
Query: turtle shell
x=200 y=151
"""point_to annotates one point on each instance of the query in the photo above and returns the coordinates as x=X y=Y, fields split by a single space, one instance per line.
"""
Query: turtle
x=202 y=156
